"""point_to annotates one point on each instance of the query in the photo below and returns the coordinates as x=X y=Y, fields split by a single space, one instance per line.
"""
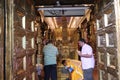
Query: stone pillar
x=38 y=39
x=64 y=31
x=117 y=12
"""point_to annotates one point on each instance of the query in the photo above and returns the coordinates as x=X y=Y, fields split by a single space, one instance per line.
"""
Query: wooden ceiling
x=63 y=2
x=72 y=22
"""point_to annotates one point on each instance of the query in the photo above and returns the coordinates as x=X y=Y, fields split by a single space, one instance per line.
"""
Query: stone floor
x=95 y=74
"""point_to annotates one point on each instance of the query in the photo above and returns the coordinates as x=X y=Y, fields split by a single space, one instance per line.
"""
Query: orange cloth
x=77 y=74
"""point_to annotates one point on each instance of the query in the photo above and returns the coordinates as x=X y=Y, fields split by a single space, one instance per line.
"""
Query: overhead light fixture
x=58 y=3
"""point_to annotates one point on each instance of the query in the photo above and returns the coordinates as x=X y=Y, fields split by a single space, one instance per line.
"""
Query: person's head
x=81 y=42
x=64 y=62
x=49 y=41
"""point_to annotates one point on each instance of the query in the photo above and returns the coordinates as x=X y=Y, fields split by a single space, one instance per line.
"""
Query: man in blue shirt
x=50 y=64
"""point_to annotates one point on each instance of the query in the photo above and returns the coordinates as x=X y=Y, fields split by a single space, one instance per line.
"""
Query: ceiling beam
x=64 y=2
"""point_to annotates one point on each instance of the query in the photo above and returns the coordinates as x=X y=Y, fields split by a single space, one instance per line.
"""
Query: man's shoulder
x=54 y=46
x=87 y=45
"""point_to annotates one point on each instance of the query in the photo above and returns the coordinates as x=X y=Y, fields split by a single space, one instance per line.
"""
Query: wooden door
x=24 y=45
x=108 y=40
x=1 y=39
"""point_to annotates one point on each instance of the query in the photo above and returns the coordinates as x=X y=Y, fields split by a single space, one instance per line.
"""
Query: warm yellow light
x=50 y=22
x=74 y=22
x=56 y=25
x=70 y=22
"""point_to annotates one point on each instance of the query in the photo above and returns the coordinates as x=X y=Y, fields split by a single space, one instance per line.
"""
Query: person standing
x=50 y=61
x=87 y=59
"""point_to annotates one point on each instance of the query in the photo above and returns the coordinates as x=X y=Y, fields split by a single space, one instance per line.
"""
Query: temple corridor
x=26 y=25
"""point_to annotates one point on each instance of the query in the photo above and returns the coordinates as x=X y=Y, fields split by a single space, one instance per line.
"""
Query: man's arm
x=84 y=55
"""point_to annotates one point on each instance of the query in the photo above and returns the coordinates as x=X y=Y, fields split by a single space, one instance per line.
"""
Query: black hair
x=49 y=41
x=63 y=62
x=82 y=40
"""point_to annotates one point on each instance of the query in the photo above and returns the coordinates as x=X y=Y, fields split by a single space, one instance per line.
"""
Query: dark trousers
x=50 y=72
x=39 y=77
x=88 y=74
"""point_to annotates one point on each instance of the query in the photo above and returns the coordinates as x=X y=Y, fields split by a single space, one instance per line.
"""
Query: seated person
x=40 y=73
x=74 y=68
